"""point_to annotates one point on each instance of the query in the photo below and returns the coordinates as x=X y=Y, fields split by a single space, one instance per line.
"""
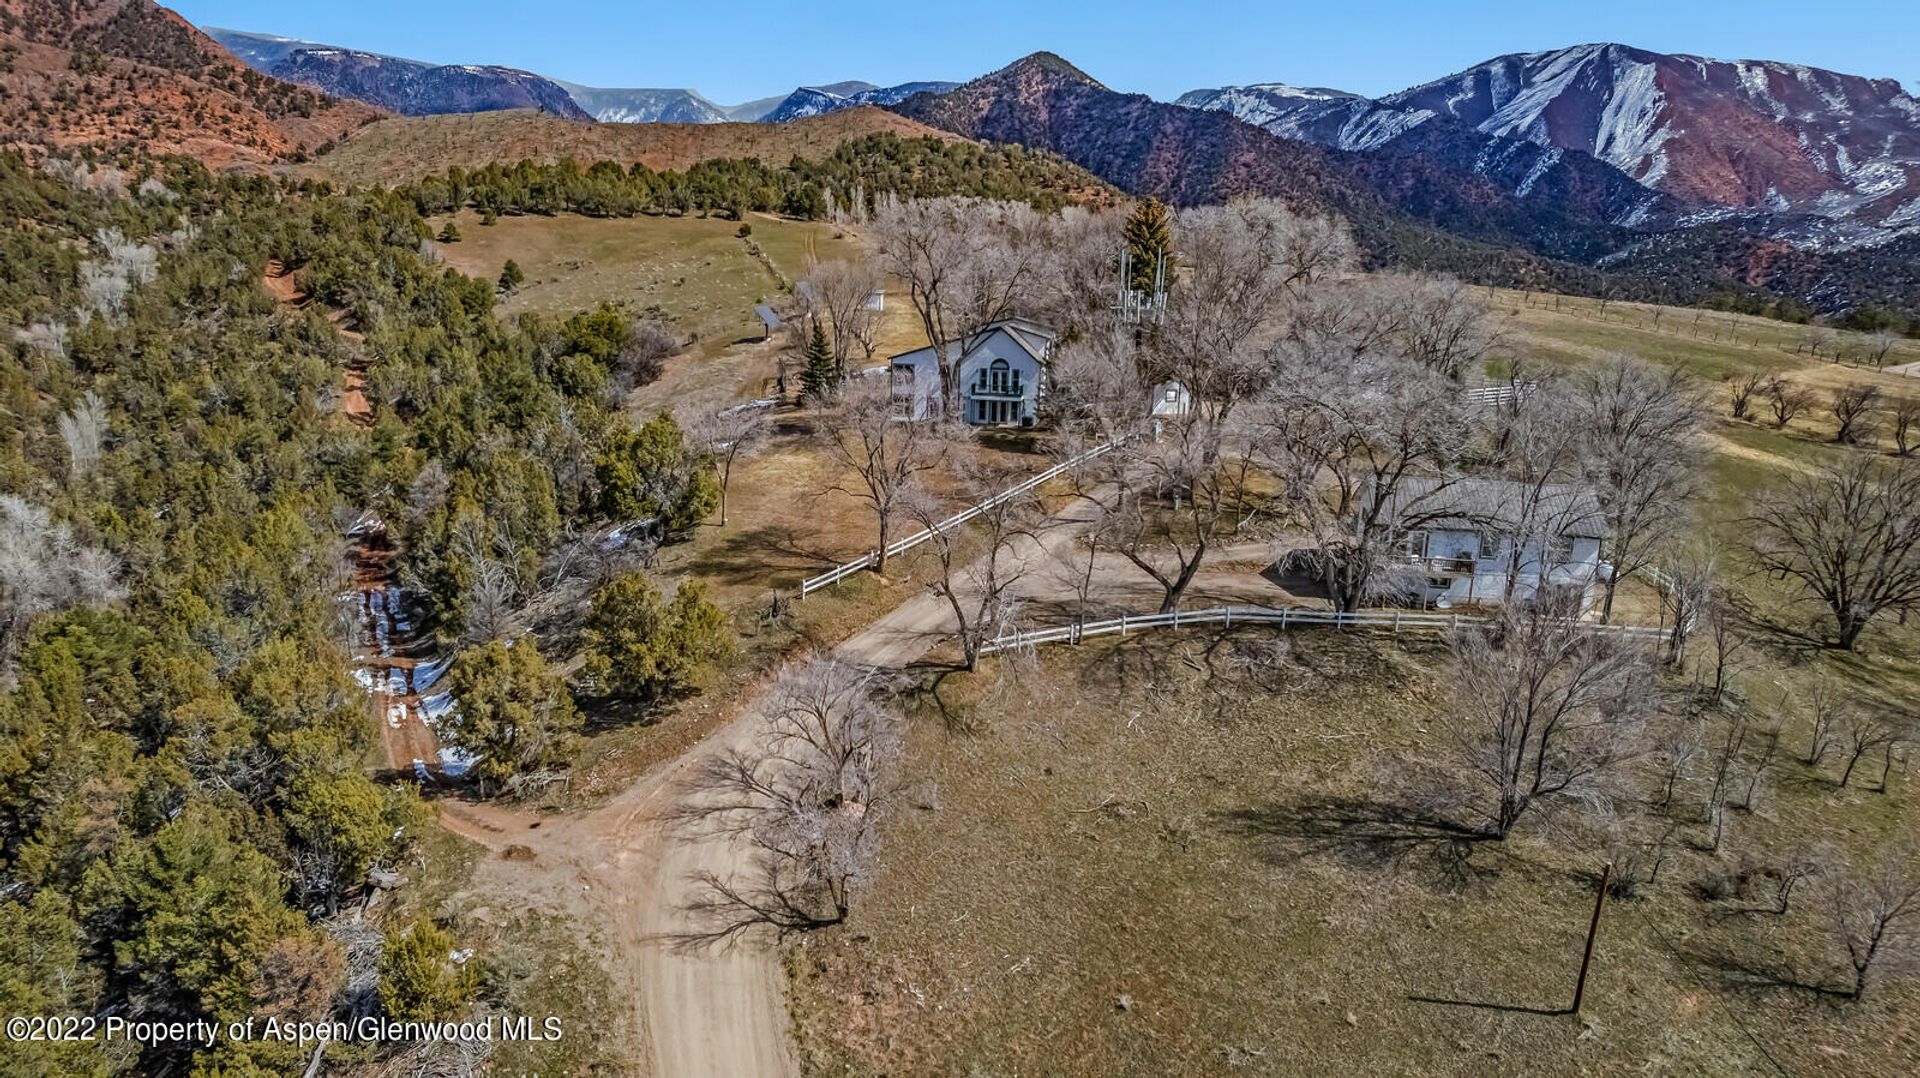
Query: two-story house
x=1000 y=377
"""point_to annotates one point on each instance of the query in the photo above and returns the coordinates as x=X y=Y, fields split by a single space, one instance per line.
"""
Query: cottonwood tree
x=729 y=435
x=838 y=294
x=967 y=263
x=1545 y=706
x=1368 y=450
x=1162 y=502
x=886 y=456
x=1849 y=537
x=1787 y=399
x=1641 y=427
x=1873 y=913
x=44 y=567
x=805 y=793
x=977 y=578
x=1245 y=269
x=1854 y=408
x=1742 y=390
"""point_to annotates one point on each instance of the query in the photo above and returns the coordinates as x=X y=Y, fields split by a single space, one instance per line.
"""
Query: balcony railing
x=1013 y=389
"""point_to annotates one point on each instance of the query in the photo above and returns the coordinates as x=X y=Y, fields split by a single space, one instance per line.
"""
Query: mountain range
x=1834 y=157
x=418 y=88
x=1596 y=168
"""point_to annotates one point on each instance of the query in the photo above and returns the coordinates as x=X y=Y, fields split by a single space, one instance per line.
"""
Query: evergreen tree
x=640 y=645
x=419 y=982
x=513 y=713
x=818 y=375
x=451 y=233
x=511 y=277
x=1149 y=238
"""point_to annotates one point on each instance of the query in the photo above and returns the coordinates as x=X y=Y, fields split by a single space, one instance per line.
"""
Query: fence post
x=1123 y=625
x=1284 y=615
x=1229 y=617
x=1396 y=623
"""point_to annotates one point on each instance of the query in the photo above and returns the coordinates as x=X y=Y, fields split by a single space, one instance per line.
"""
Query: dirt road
x=722 y=1013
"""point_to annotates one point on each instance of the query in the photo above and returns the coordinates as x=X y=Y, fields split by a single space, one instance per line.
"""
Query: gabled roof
x=1032 y=337
x=1497 y=504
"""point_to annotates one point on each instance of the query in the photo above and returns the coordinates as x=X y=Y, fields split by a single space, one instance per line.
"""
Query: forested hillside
x=184 y=792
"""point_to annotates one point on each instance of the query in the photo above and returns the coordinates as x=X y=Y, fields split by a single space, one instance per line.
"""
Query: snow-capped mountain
x=1836 y=157
x=1745 y=135
x=406 y=86
x=646 y=106
x=814 y=100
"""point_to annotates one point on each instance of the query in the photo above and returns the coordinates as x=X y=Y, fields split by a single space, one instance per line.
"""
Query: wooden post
x=1593 y=930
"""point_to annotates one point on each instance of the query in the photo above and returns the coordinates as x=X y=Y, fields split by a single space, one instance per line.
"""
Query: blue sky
x=747 y=48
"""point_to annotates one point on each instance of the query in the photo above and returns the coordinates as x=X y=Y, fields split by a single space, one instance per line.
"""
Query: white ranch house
x=1000 y=378
x=1466 y=543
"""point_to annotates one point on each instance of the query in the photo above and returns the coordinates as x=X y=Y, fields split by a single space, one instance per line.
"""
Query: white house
x=1000 y=378
x=1479 y=541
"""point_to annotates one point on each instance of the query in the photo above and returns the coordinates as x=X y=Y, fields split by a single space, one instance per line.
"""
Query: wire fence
x=1395 y=621
x=872 y=557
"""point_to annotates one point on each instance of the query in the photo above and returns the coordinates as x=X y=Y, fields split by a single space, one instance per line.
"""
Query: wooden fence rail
x=899 y=546
x=1396 y=621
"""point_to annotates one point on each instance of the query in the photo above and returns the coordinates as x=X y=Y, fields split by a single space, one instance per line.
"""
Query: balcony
x=1004 y=389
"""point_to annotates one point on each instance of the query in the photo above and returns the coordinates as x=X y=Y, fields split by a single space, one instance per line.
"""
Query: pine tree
x=1149 y=239
x=511 y=276
x=451 y=233
x=817 y=379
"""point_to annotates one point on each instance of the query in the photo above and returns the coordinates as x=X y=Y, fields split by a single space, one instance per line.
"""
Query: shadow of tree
x=755 y=554
x=1754 y=973
x=1365 y=831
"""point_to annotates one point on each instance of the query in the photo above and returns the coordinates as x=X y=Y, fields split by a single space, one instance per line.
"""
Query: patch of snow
x=1375 y=128
x=455 y=761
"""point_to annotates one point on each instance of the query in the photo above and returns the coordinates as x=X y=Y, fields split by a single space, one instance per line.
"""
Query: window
x=1489 y=543
x=1173 y=395
x=1559 y=550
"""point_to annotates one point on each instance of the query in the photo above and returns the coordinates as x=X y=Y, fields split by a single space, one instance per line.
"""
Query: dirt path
x=391 y=665
x=285 y=290
x=722 y=1013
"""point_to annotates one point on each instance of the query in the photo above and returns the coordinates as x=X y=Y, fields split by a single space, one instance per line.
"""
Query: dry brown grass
x=1122 y=870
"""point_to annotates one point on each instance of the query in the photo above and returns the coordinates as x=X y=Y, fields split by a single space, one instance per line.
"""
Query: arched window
x=999 y=377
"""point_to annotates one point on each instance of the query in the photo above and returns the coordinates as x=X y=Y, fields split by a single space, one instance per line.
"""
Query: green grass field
x=696 y=269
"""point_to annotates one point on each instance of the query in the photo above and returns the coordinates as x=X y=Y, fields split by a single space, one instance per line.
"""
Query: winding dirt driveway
x=721 y=1013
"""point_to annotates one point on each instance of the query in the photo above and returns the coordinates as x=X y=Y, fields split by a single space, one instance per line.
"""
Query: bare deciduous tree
x=886 y=456
x=1545 y=706
x=839 y=293
x=1873 y=914
x=1905 y=416
x=805 y=794
x=1854 y=408
x=1164 y=501
x=44 y=567
x=84 y=429
x=1367 y=449
x=1641 y=425
x=980 y=591
x=729 y=435
x=1744 y=388
x=1787 y=399
x=1823 y=714
x=1850 y=537
x=1863 y=729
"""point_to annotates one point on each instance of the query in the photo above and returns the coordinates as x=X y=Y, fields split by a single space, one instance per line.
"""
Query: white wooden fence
x=1396 y=621
x=898 y=546
x=1500 y=393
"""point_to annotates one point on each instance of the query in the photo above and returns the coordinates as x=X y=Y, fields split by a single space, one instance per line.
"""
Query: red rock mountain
x=1741 y=134
x=131 y=74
